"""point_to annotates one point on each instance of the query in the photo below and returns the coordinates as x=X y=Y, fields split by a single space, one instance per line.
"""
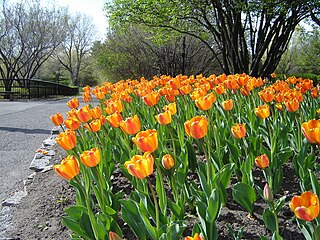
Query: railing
x=34 y=88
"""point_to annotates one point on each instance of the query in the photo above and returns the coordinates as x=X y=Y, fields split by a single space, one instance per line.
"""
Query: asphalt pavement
x=23 y=127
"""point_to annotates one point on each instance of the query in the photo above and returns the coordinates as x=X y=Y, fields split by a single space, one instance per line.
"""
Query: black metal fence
x=34 y=88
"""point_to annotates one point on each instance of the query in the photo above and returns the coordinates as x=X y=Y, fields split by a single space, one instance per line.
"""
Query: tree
x=28 y=36
x=80 y=32
x=244 y=35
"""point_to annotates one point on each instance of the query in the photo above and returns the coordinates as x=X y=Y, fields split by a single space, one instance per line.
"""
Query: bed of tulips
x=179 y=140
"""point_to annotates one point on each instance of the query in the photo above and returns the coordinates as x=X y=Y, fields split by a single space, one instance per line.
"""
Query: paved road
x=23 y=127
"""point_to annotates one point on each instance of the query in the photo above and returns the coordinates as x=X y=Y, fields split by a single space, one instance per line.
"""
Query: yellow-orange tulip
x=114 y=119
x=195 y=237
x=67 y=140
x=172 y=107
x=96 y=112
x=151 y=99
x=164 y=118
x=146 y=141
x=219 y=89
x=306 y=206
x=311 y=130
x=198 y=93
x=227 y=105
x=113 y=106
x=239 y=130
x=266 y=95
x=90 y=158
x=196 y=127
x=68 y=168
x=262 y=111
x=205 y=102
x=262 y=161
x=72 y=123
x=186 y=89
x=140 y=166
x=167 y=161
x=292 y=104
x=57 y=119
x=73 y=103
x=131 y=125
x=84 y=114
x=86 y=97
x=279 y=106
x=94 y=126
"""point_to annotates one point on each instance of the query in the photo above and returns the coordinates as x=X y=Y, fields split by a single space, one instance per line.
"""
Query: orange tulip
x=311 y=131
x=306 y=206
x=57 y=119
x=278 y=97
x=94 y=126
x=262 y=161
x=167 y=161
x=96 y=112
x=262 y=111
x=90 y=158
x=273 y=75
x=239 y=130
x=196 y=237
x=86 y=96
x=113 y=106
x=131 y=125
x=172 y=107
x=114 y=236
x=196 y=127
x=84 y=114
x=219 y=89
x=68 y=168
x=186 y=89
x=164 y=118
x=227 y=105
x=114 y=119
x=146 y=141
x=151 y=99
x=67 y=140
x=72 y=123
x=72 y=113
x=279 y=106
x=266 y=95
x=292 y=105
x=140 y=166
x=86 y=89
x=198 y=93
x=205 y=102
x=73 y=103
x=314 y=92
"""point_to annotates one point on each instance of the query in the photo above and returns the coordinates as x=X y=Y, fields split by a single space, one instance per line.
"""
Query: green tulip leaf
x=269 y=220
x=245 y=195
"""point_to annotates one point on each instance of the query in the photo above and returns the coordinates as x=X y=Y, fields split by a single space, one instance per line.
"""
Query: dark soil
x=39 y=214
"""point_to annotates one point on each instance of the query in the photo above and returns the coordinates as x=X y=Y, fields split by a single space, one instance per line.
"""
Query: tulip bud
x=167 y=161
x=114 y=236
x=267 y=193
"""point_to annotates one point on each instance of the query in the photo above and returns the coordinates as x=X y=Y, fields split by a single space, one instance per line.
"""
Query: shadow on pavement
x=26 y=131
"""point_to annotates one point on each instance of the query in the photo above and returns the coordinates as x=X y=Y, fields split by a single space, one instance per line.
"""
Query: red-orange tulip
x=311 y=131
x=90 y=158
x=196 y=127
x=114 y=119
x=227 y=105
x=219 y=89
x=292 y=104
x=167 y=161
x=140 y=166
x=195 y=237
x=67 y=140
x=164 y=118
x=151 y=99
x=57 y=119
x=306 y=206
x=84 y=114
x=86 y=96
x=131 y=125
x=239 y=130
x=146 y=141
x=73 y=103
x=205 y=102
x=262 y=161
x=262 y=111
x=72 y=123
x=68 y=168
x=266 y=95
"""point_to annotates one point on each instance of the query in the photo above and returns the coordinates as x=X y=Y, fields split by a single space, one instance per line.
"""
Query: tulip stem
x=155 y=205
x=172 y=139
x=315 y=230
x=101 y=188
x=275 y=218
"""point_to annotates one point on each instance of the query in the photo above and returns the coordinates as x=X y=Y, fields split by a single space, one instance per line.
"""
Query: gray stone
x=15 y=199
x=39 y=164
x=47 y=168
x=49 y=142
x=55 y=131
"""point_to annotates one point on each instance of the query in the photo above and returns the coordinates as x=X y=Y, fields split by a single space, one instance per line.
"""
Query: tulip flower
x=86 y=96
x=172 y=107
x=151 y=99
x=195 y=237
x=140 y=166
x=96 y=112
x=279 y=106
x=131 y=125
x=67 y=140
x=68 y=168
x=90 y=158
x=266 y=95
x=114 y=119
x=292 y=105
x=306 y=206
x=186 y=89
x=72 y=123
x=227 y=105
x=262 y=161
x=73 y=103
x=164 y=118
x=196 y=127
x=198 y=93
x=167 y=161
x=239 y=130
x=273 y=75
x=205 y=102
x=311 y=131
x=146 y=141
x=113 y=106
x=114 y=236
x=267 y=193
x=219 y=89
x=57 y=119
x=94 y=126
x=262 y=111
x=84 y=114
